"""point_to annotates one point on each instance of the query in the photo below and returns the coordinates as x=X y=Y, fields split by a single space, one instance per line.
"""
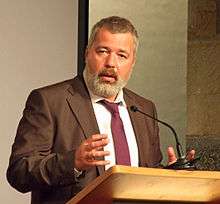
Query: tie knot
x=112 y=107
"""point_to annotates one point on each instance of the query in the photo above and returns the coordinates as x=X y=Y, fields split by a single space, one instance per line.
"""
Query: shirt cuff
x=77 y=173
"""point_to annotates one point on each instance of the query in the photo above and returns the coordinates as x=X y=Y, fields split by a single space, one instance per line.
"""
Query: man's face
x=109 y=61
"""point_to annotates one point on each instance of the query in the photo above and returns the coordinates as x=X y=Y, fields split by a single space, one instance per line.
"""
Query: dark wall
x=203 y=82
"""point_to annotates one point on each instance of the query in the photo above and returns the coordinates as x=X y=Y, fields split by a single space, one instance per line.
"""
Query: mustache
x=108 y=72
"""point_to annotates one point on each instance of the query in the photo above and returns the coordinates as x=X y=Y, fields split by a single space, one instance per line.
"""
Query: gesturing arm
x=33 y=164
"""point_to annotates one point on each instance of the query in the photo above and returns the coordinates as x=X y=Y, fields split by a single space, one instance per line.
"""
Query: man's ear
x=134 y=61
x=86 y=54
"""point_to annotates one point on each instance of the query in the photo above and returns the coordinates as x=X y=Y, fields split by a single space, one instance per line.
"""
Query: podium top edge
x=163 y=172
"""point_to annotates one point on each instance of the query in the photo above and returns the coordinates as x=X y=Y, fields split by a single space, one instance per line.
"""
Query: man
x=66 y=137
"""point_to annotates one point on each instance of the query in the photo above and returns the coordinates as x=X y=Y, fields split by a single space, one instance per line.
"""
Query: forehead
x=120 y=40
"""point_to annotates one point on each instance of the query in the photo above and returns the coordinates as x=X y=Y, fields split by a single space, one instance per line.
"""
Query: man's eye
x=102 y=51
x=123 y=56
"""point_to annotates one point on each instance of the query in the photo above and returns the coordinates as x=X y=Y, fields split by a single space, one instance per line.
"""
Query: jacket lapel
x=140 y=128
x=81 y=106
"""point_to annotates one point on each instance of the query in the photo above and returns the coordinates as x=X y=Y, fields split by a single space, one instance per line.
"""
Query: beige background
x=38 y=44
x=160 y=71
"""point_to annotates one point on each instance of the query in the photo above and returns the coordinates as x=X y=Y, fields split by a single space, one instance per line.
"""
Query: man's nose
x=111 y=61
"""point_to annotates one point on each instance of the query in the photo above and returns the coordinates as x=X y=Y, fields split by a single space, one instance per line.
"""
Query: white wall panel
x=38 y=46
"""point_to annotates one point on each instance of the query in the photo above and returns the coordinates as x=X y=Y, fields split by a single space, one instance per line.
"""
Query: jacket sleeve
x=33 y=164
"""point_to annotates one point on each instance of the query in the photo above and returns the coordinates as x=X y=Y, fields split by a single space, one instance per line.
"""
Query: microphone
x=182 y=162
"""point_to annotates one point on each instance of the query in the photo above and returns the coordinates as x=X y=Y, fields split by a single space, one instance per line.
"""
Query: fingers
x=95 y=154
x=171 y=155
x=190 y=155
x=96 y=142
x=90 y=151
x=92 y=163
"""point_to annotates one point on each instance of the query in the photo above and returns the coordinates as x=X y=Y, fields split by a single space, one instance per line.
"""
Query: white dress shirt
x=103 y=117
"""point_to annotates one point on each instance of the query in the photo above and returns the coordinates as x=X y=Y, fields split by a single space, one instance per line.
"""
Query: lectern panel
x=122 y=184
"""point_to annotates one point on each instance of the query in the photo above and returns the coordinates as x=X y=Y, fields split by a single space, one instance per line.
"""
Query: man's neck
x=111 y=99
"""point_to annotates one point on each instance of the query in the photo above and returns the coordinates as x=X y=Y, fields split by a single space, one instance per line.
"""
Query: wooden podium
x=122 y=184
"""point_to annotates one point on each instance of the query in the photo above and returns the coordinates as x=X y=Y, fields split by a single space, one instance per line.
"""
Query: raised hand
x=172 y=157
x=91 y=152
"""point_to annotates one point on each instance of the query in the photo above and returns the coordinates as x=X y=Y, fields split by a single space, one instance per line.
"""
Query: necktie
x=120 y=142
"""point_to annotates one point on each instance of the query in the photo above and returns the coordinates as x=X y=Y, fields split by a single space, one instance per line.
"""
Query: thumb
x=171 y=155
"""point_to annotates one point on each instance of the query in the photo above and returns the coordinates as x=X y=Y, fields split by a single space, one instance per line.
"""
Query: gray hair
x=114 y=24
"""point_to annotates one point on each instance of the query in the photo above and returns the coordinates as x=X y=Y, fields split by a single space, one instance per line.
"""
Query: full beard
x=104 y=88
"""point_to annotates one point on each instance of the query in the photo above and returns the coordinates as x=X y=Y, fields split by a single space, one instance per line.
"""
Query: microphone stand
x=181 y=163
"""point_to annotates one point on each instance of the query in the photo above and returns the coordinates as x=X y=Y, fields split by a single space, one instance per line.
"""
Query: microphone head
x=133 y=108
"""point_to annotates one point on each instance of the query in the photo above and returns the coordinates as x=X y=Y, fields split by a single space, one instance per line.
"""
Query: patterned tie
x=120 y=143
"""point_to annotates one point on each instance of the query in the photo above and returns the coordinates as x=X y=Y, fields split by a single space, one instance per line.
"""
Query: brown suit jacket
x=55 y=121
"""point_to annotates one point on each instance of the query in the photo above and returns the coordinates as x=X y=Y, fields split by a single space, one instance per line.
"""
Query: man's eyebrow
x=123 y=51
x=102 y=47
x=107 y=48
